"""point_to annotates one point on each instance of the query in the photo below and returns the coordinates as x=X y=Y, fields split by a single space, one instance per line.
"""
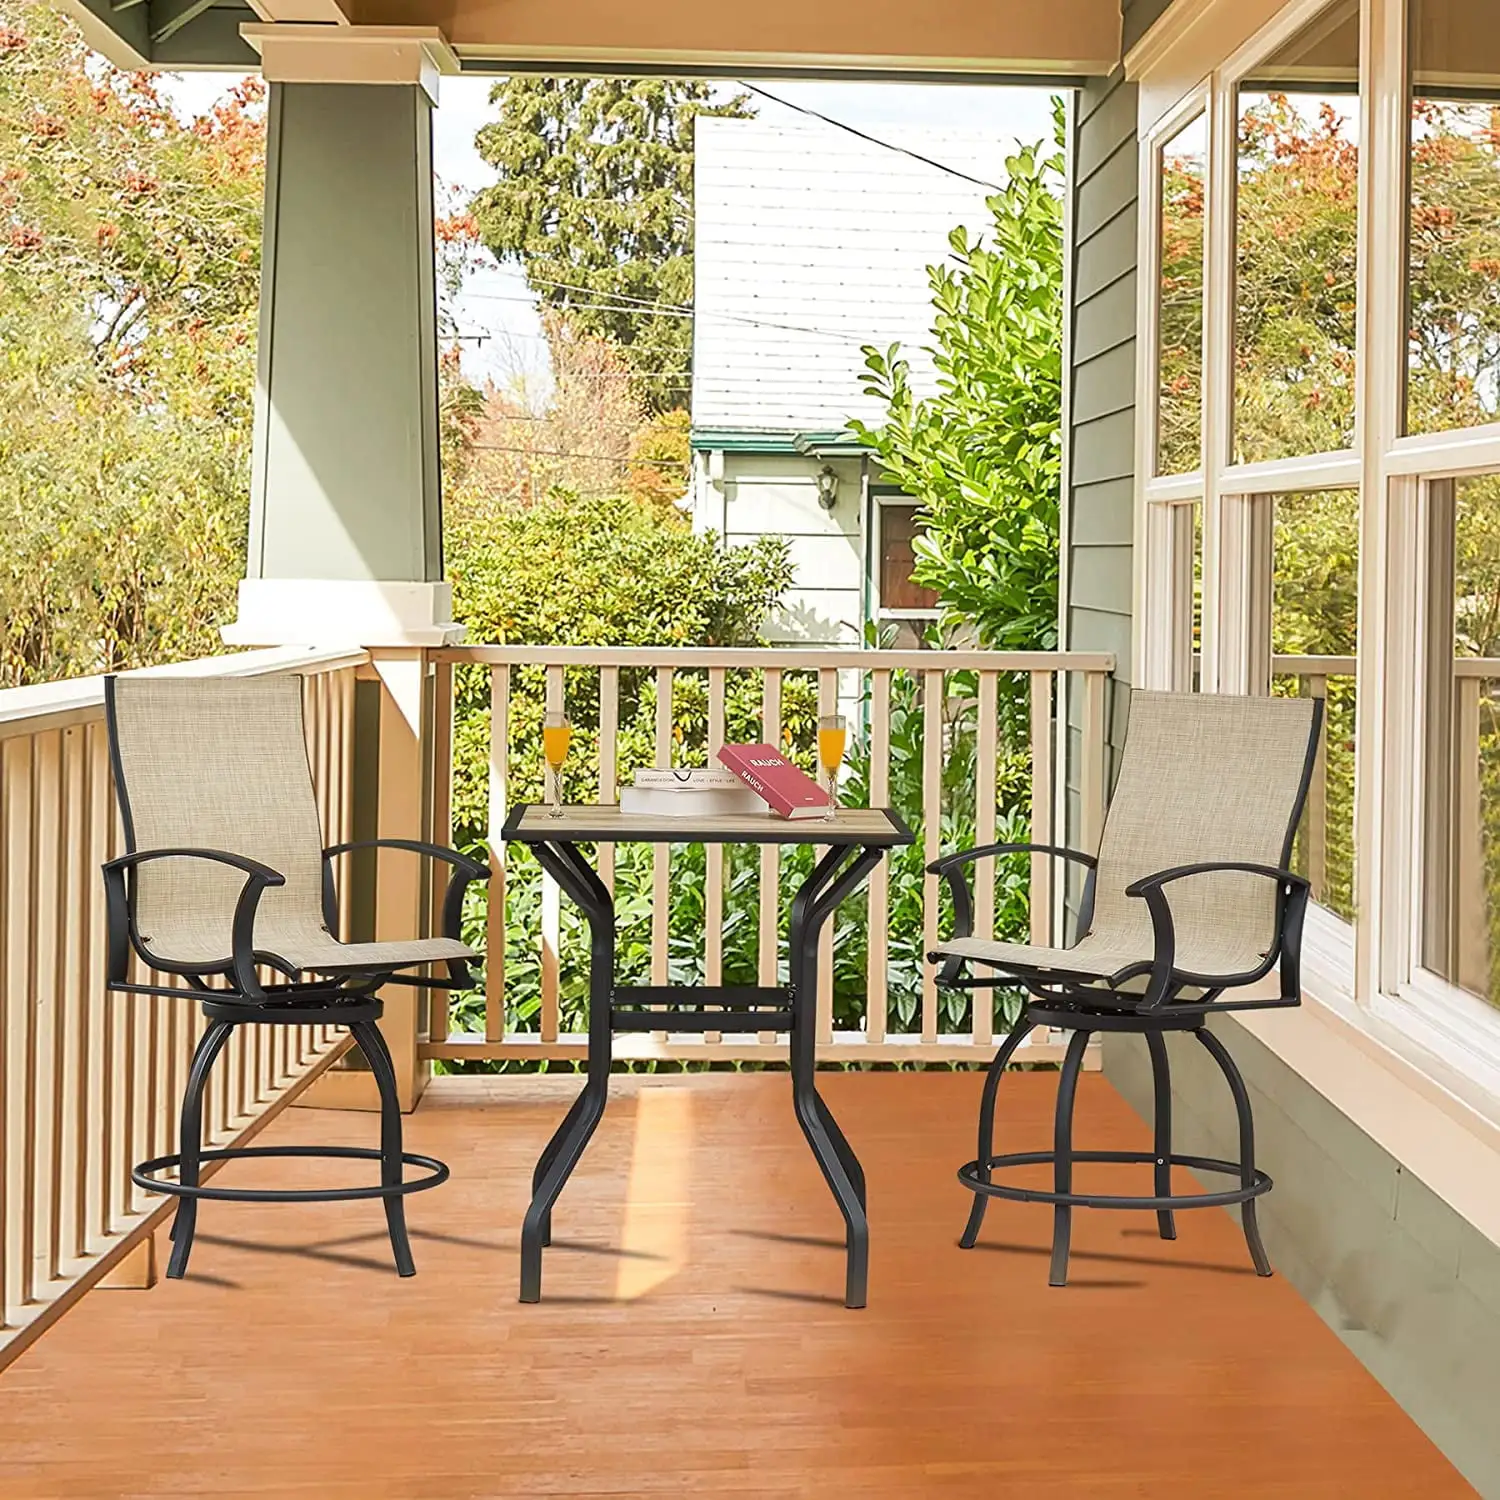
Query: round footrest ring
x=143 y=1176
x=968 y=1174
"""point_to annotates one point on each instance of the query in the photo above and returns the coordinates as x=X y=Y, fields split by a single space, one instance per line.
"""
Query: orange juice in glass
x=557 y=735
x=833 y=739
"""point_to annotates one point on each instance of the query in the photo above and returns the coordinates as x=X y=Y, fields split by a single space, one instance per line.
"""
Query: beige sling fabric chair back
x=221 y=763
x=1203 y=779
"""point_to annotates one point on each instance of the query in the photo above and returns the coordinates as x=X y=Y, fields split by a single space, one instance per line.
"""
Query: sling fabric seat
x=226 y=877
x=1190 y=896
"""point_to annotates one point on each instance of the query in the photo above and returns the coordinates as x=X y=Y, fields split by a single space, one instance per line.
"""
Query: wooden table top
x=871 y=827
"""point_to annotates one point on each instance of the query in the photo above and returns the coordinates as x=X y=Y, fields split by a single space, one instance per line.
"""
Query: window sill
x=1377 y=1066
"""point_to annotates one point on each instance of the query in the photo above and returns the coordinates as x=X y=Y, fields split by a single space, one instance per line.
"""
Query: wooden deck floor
x=692 y=1342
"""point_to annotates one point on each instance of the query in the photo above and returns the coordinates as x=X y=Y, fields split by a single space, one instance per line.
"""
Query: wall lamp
x=828 y=487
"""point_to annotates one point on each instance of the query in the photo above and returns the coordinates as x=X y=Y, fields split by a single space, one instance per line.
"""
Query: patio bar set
x=1187 y=907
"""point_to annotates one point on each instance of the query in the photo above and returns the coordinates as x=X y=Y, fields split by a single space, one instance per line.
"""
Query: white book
x=697 y=779
x=689 y=802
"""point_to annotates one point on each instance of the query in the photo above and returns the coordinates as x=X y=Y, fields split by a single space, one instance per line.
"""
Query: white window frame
x=1369 y=974
x=1164 y=499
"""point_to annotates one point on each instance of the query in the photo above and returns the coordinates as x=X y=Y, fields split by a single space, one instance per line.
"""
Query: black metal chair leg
x=1161 y=1078
x=1220 y=1054
x=185 y=1220
x=1062 y=1156
x=1003 y=1053
x=369 y=1041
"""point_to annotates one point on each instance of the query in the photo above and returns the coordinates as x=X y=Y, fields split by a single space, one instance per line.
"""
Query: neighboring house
x=809 y=243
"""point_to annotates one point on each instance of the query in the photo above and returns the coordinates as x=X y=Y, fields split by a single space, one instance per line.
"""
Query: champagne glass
x=557 y=735
x=833 y=737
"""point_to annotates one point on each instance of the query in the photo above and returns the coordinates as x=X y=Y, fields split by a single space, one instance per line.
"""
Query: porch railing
x=877 y=689
x=89 y=1082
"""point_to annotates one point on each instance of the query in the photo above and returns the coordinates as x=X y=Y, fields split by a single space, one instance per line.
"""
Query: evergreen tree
x=595 y=201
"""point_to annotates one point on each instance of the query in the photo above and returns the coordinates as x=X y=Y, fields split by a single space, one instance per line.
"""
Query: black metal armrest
x=1294 y=892
x=951 y=868
x=466 y=870
x=984 y=851
x=117 y=906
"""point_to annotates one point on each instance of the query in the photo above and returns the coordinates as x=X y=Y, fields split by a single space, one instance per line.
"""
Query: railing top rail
x=1314 y=666
x=790 y=658
x=1346 y=666
x=1476 y=666
x=53 y=705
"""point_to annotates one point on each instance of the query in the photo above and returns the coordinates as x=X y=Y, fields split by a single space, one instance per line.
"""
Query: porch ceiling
x=1067 y=38
x=691 y=1338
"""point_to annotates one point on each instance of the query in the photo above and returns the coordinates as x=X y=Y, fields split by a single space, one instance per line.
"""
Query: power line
x=926 y=161
x=641 y=307
x=605 y=458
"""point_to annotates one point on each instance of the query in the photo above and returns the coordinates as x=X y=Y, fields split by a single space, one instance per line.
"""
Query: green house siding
x=1139 y=16
x=1101 y=392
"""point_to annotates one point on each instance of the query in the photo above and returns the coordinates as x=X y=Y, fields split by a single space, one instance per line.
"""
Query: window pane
x=1453 y=242
x=1296 y=232
x=1314 y=612
x=1461 y=923
x=1179 y=416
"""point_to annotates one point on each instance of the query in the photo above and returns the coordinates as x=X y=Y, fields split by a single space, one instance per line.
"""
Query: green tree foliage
x=129 y=275
x=983 y=454
x=595 y=201
x=1179 y=409
x=1454 y=309
x=1295 y=251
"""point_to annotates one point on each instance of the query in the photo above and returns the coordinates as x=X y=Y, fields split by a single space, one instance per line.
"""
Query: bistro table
x=855 y=839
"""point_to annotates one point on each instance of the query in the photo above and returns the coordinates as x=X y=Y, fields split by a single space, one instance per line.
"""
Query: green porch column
x=346 y=541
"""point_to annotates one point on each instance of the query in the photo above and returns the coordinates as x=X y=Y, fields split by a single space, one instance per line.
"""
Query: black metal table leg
x=568 y=867
x=813 y=904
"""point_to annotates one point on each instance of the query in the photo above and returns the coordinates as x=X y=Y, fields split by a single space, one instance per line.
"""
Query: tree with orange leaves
x=129 y=279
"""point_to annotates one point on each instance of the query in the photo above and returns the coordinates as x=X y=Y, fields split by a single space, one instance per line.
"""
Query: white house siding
x=772 y=493
x=809 y=243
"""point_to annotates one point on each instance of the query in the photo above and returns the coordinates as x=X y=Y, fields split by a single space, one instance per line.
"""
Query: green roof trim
x=762 y=440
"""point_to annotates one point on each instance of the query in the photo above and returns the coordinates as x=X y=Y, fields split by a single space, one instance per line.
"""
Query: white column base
x=343 y=612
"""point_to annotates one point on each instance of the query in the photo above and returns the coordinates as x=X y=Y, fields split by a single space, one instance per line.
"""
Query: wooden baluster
x=1043 y=869
x=828 y=703
x=982 y=1017
x=439 y=1018
x=1317 y=795
x=97 y=1124
x=609 y=760
x=551 y=901
x=713 y=890
x=1470 y=897
x=932 y=835
x=769 y=936
x=661 y=854
x=494 y=929
x=76 y=912
x=877 y=990
x=15 y=1025
x=46 y=876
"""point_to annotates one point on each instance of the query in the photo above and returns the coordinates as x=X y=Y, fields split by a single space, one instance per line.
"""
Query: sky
x=496 y=313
